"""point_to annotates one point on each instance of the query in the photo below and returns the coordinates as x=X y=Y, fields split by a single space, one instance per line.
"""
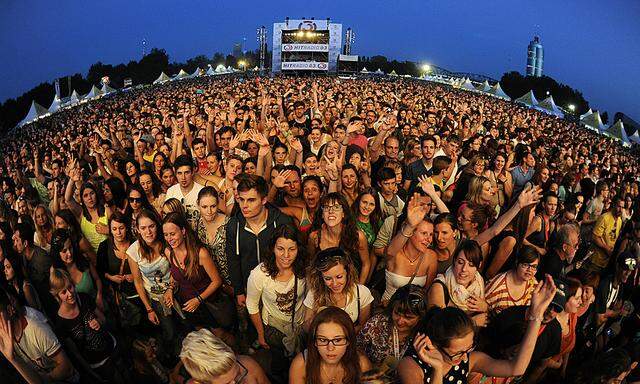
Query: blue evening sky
x=590 y=45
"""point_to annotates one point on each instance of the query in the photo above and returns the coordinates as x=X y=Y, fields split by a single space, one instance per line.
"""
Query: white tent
x=162 y=78
x=593 y=121
x=210 y=71
x=256 y=68
x=549 y=106
x=106 y=89
x=586 y=114
x=617 y=132
x=635 y=137
x=364 y=70
x=229 y=69
x=484 y=87
x=93 y=93
x=74 y=98
x=497 y=91
x=195 y=73
x=181 y=75
x=379 y=72
x=220 y=69
x=393 y=73
x=55 y=104
x=35 y=112
x=528 y=99
x=468 y=85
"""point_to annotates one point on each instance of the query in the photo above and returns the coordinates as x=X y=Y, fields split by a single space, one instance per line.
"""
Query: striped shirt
x=499 y=298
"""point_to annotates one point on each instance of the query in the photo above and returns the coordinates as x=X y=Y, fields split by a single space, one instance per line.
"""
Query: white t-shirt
x=155 y=274
x=276 y=296
x=352 y=306
x=38 y=343
x=189 y=201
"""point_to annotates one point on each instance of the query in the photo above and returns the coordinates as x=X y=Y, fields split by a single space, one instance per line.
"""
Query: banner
x=305 y=65
x=305 y=47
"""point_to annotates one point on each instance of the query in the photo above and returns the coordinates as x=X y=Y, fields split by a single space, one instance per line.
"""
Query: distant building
x=535 y=55
x=237 y=50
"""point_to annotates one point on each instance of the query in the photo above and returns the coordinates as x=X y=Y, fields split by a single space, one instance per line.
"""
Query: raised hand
x=6 y=337
x=427 y=185
x=542 y=296
x=354 y=126
x=427 y=352
x=296 y=144
x=416 y=210
x=281 y=178
x=332 y=168
x=235 y=141
x=529 y=196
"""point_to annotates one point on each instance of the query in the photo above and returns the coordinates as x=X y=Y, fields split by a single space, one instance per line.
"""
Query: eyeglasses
x=135 y=199
x=337 y=342
x=332 y=208
x=242 y=374
x=458 y=355
x=528 y=266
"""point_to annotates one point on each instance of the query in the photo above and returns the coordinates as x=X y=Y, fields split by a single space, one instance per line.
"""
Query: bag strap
x=415 y=272
x=295 y=299
x=358 y=295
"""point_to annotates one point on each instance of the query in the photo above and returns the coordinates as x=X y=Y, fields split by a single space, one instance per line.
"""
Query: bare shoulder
x=256 y=373
x=365 y=363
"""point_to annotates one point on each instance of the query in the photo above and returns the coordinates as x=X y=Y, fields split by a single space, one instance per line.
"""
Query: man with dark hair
x=301 y=122
x=450 y=149
x=439 y=172
x=250 y=230
x=523 y=172
x=199 y=149
x=390 y=203
x=186 y=190
x=36 y=263
x=421 y=167
x=605 y=234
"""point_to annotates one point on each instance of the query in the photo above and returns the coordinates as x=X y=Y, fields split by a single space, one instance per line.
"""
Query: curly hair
x=299 y=265
x=324 y=261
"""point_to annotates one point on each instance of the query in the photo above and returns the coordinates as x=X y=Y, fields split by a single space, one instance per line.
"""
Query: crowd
x=316 y=230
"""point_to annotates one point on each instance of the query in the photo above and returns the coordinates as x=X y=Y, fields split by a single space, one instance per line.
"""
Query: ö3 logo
x=307 y=25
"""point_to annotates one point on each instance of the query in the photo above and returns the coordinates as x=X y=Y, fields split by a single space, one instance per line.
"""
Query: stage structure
x=306 y=45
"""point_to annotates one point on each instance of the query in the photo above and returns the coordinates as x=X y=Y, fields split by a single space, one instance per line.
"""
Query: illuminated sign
x=305 y=47
x=305 y=65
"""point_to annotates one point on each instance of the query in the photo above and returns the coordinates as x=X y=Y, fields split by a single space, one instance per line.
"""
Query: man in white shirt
x=186 y=191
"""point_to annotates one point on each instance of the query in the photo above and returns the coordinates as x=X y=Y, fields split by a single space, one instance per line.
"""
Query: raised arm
x=74 y=178
x=528 y=197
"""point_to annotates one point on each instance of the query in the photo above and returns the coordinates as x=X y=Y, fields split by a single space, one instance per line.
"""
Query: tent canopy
x=467 y=85
x=497 y=91
x=549 y=106
x=593 y=121
x=162 y=78
x=181 y=75
x=210 y=71
x=586 y=114
x=74 y=99
x=528 y=99
x=635 y=137
x=106 y=89
x=55 y=104
x=617 y=132
x=484 y=87
x=364 y=70
x=35 y=111
x=93 y=93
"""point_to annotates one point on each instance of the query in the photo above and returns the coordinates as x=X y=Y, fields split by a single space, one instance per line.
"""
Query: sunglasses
x=135 y=199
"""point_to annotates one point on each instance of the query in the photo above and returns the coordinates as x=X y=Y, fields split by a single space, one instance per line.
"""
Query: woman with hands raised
x=443 y=350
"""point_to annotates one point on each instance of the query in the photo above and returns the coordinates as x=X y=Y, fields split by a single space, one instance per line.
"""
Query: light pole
x=426 y=68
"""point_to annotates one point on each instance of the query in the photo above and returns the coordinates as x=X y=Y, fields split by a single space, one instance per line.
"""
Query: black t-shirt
x=304 y=127
x=551 y=264
x=94 y=346
x=507 y=329
x=607 y=294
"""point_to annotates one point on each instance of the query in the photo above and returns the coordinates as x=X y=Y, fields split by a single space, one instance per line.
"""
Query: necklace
x=408 y=258
x=332 y=379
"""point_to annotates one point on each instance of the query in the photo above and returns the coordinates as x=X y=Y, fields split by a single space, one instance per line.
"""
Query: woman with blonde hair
x=172 y=205
x=43 y=220
x=333 y=281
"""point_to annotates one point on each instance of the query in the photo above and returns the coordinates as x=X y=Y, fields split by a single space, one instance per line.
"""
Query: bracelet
x=535 y=318
x=199 y=298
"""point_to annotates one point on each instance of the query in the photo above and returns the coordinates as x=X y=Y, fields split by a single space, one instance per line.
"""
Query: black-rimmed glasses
x=337 y=342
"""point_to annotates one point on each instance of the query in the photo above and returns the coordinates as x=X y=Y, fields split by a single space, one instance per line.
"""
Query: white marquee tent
x=55 y=104
x=528 y=99
x=106 y=89
x=497 y=91
x=93 y=93
x=468 y=85
x=162 y=78
x=74 y=98
x=549 y=106
x=181 y=75
x=593 y=121
x=35 y=112
x=635 y=137
x=617 y=132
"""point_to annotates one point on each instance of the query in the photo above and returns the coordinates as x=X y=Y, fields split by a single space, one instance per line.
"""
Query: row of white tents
x=219 y=70
x=37 y=111
x=591 y=119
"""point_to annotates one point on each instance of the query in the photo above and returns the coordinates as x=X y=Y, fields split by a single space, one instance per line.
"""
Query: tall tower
x=535 y=56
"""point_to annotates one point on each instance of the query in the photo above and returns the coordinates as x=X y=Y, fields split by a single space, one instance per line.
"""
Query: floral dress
x=216 y=247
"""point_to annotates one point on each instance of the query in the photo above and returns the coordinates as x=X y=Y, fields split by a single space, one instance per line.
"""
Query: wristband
x=199 y=298
x=535 y=318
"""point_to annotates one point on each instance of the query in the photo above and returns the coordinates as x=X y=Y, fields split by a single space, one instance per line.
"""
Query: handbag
x=219 y=304
x=129 y=313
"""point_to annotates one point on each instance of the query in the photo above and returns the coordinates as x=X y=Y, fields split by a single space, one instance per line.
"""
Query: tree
x=605 y=117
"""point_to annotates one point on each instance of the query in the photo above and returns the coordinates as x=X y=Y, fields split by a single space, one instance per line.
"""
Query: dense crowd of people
x=316 y=230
